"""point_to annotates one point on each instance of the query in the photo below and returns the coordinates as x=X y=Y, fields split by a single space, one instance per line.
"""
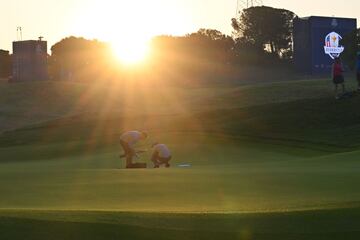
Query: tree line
x=262 y=36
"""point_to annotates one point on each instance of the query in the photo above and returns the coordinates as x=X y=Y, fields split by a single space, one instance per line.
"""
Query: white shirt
x=131 y=137
x=163 y=150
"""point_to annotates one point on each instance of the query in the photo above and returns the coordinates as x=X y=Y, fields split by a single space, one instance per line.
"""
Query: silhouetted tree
x=5 y=64
x=207 y=45
x=78 y=58
x=210 y=34
x=211 y=44
x=351 y=42
x=265 y=29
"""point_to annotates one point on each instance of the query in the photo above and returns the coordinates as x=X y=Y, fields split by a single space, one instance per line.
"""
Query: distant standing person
x=338 y=77
x=358 y=70
x=128 y=141
x=161 y=155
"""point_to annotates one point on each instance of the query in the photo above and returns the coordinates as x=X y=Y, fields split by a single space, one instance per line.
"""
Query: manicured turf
x=266 y=163
x=311 y=225
x=227 y=175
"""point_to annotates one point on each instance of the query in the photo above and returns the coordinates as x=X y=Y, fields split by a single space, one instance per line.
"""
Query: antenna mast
x=244 y=4
x=19 y=35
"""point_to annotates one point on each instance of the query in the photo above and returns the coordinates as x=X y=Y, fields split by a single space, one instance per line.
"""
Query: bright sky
x=120 y=20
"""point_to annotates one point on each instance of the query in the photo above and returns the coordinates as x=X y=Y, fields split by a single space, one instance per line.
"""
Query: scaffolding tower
x=244 y=4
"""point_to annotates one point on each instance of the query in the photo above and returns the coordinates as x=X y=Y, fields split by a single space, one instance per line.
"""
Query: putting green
x=227 y=175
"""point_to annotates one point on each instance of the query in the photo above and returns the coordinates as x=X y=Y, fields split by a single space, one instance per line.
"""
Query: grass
x=319 y=224
x=269 y=161
x=249 y=177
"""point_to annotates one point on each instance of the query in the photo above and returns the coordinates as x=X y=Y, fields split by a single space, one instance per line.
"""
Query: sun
x=128 y=26
x=131 y=51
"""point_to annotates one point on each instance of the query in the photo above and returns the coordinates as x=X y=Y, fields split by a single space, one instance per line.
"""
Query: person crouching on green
x=161 y=155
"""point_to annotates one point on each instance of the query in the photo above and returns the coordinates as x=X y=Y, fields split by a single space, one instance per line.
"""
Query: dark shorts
x=358 y=76
x=338 y=79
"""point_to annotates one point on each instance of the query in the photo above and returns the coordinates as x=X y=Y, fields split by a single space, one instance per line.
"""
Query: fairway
x=266 y=163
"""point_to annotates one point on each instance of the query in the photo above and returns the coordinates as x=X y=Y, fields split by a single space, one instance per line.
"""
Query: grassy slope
x=271 y=147
x=31 y=103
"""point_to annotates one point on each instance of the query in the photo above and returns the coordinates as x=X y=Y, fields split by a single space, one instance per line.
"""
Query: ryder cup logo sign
x=332 y=45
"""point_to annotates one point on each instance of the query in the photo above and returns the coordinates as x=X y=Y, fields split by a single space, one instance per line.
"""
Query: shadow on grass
x=306 y=225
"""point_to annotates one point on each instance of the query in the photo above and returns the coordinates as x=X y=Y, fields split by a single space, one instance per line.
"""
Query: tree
x=210 y=34
x=78 y=58
x=204 y=45
x=211 y=44
x=351 y=42
x=267 y=29
x=5 y=64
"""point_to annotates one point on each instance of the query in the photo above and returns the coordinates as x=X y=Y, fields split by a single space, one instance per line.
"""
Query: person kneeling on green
x=161 y=155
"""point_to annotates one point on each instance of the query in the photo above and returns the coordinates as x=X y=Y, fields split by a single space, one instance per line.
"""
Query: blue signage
x=317 y=42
